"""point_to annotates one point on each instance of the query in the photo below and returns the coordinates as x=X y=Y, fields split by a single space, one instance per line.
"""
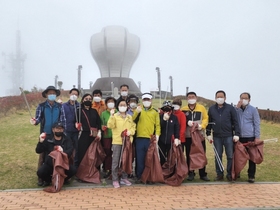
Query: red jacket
x=182 y=122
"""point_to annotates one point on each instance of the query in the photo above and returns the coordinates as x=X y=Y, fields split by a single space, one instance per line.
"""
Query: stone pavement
x=217 y=195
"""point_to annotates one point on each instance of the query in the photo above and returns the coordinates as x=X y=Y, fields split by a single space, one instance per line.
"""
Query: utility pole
x=139 y=85
x=159 y=83
x=171 y=86
x=187 y=90
x=55 y=81
x=79 y=76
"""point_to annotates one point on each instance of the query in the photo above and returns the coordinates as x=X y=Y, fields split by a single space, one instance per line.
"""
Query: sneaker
x=219 y=178
x=130 y=176
x=150 y=183
x=40 y=182
x=251 y=180
x=116 y=184
x=138 y=181
x=229 y=178
x=107 y=174
x=191 y=176
x=205 y=178
x=125 y=182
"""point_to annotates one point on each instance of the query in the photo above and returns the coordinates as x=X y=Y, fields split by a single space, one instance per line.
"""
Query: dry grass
x=18 y=163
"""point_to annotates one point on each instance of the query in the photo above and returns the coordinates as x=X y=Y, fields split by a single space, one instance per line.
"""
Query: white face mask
x=220 y=101
x=191 y=101
x=97 y=99
x=133 y=105
x=245 y=102
x=147 y=104
x=122 y=108
x=176 y=107
x=110 y=105
x=124 y=93
x=73 y=97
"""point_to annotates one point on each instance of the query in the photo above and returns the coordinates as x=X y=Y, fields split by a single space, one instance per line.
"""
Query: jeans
x=219 y=143
x=142 y=145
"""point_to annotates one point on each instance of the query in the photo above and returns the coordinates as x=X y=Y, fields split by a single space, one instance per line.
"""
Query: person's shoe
x=150 y=183
x=45 y=184
x=125 y=182
x=66 y=182
x=219 y=178
x=138 y=181
x=238 y=176
x=107 y=174
x=116 y=184
x=251 y=180
x=40 y=182
x=191 y=176
x=205 y=178
x=229 y=178
x=130 y=176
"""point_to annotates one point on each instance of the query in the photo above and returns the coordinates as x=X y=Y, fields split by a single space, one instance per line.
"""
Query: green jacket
x=105 y=115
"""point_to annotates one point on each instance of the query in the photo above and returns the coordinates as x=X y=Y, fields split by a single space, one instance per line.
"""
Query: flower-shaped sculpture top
x=115 y=50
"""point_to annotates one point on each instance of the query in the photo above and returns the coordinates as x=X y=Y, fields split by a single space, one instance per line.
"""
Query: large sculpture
x=115 y=50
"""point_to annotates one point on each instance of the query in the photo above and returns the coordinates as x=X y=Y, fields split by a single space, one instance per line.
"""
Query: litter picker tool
x=218 y=159
x=26 y=102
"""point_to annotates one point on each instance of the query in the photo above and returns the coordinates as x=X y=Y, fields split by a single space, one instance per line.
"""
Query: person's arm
x=256 y=122
x=157 y=124
x=41 y=147
x=68 y=147
x=111 y=122
x=176 y=128
x=209 y=126
x=234 y=121
x=38 y=115
x=183 y=125
x=205 y=118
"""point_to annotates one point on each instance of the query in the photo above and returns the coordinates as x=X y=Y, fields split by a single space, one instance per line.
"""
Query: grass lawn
x=18 y=163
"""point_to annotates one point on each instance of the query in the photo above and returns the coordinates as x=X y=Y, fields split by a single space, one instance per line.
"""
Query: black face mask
x=87 y=103
x=58 y=134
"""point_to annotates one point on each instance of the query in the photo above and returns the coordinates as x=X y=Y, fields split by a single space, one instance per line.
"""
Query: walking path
x=218 y=195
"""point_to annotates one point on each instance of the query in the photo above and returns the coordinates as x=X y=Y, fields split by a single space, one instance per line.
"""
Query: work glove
x=112 y=112
x=59 y=101
x=98 y=137
x=78 y=126
x=157 y=137
x=127 y=133
x=210 y=139
x=104 y=127
x=199 y=127
x=235 y=138
x=59 y=148
x=177 y=142
x=32 y=121
x=42 y=137
x=166 y=116
x=138 y=109
x=190 y=123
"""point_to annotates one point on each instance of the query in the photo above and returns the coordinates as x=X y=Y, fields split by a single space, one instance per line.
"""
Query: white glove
x=59 y=101
x=177 y=142
x=190 y=123
x=127 y=133
x=42 y=137
x=199 y=127
x=112 y=112
x=157 y=137
x=166 y=116
x=210 y=139
x=60 y=149
x=235 y=138
x=138 y=109
x=99 y=134
x=32 y=121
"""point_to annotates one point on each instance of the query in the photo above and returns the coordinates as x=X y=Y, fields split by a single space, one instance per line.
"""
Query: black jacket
x=169 y=128
x=47 y=146
x=223 y=121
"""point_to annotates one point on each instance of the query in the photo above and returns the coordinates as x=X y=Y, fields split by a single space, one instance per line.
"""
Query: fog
x=204 y=45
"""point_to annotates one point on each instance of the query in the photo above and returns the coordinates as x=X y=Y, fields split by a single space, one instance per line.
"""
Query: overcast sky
x=205 y=45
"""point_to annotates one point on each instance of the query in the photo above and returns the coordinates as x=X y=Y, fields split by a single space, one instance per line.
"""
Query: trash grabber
x=24 y=96
x=270 y=140
x=75 y=108
x=218 y=159
x=123 y=141
x=162 y=153
x=171 y=149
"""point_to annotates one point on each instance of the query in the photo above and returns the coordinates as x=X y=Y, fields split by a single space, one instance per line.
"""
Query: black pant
x=163 y=151
x=187 y=145
x=252 y=166
x=46 y=170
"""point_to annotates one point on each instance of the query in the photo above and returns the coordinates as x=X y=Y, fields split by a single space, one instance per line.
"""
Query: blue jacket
x=222 y=121
x=249 y=121
x=70 y=116
x=168 y=129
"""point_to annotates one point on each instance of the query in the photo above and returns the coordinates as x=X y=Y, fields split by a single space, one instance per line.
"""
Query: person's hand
x=59 y=148
x=166 y=116
x=199 y=127
x=235 y=138
x=138 y=109
x=42 y=137
x=59 y=101
x=32 y=121
x=210 y=139
x=98 y=137
x=127 y=133
x=157 y=137
x=112 y=112
x=190 y=123
x=104 y=127
x=239 y=104
x=78 y=126
x=177 y=142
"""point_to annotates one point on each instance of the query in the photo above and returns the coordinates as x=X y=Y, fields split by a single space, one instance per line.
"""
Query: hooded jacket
x=168 y=129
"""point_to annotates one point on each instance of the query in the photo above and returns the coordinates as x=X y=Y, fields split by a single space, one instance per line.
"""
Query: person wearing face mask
x=223 y=123
x=148 y=123
x=90 y=126
x=249 y=121
x=123 y=93
x=98 y=104
x=47 y=114
x=46 y=145
x=71 y=116
x=132 y=102
x=194 y=113
x=176 y=104
x=120 y=122
x=107 y=135
x=169 y=127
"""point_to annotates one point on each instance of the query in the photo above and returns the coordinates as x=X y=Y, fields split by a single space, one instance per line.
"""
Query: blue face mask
x=52 y=97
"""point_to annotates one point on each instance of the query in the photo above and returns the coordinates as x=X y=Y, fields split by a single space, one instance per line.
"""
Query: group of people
x=71 y=127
